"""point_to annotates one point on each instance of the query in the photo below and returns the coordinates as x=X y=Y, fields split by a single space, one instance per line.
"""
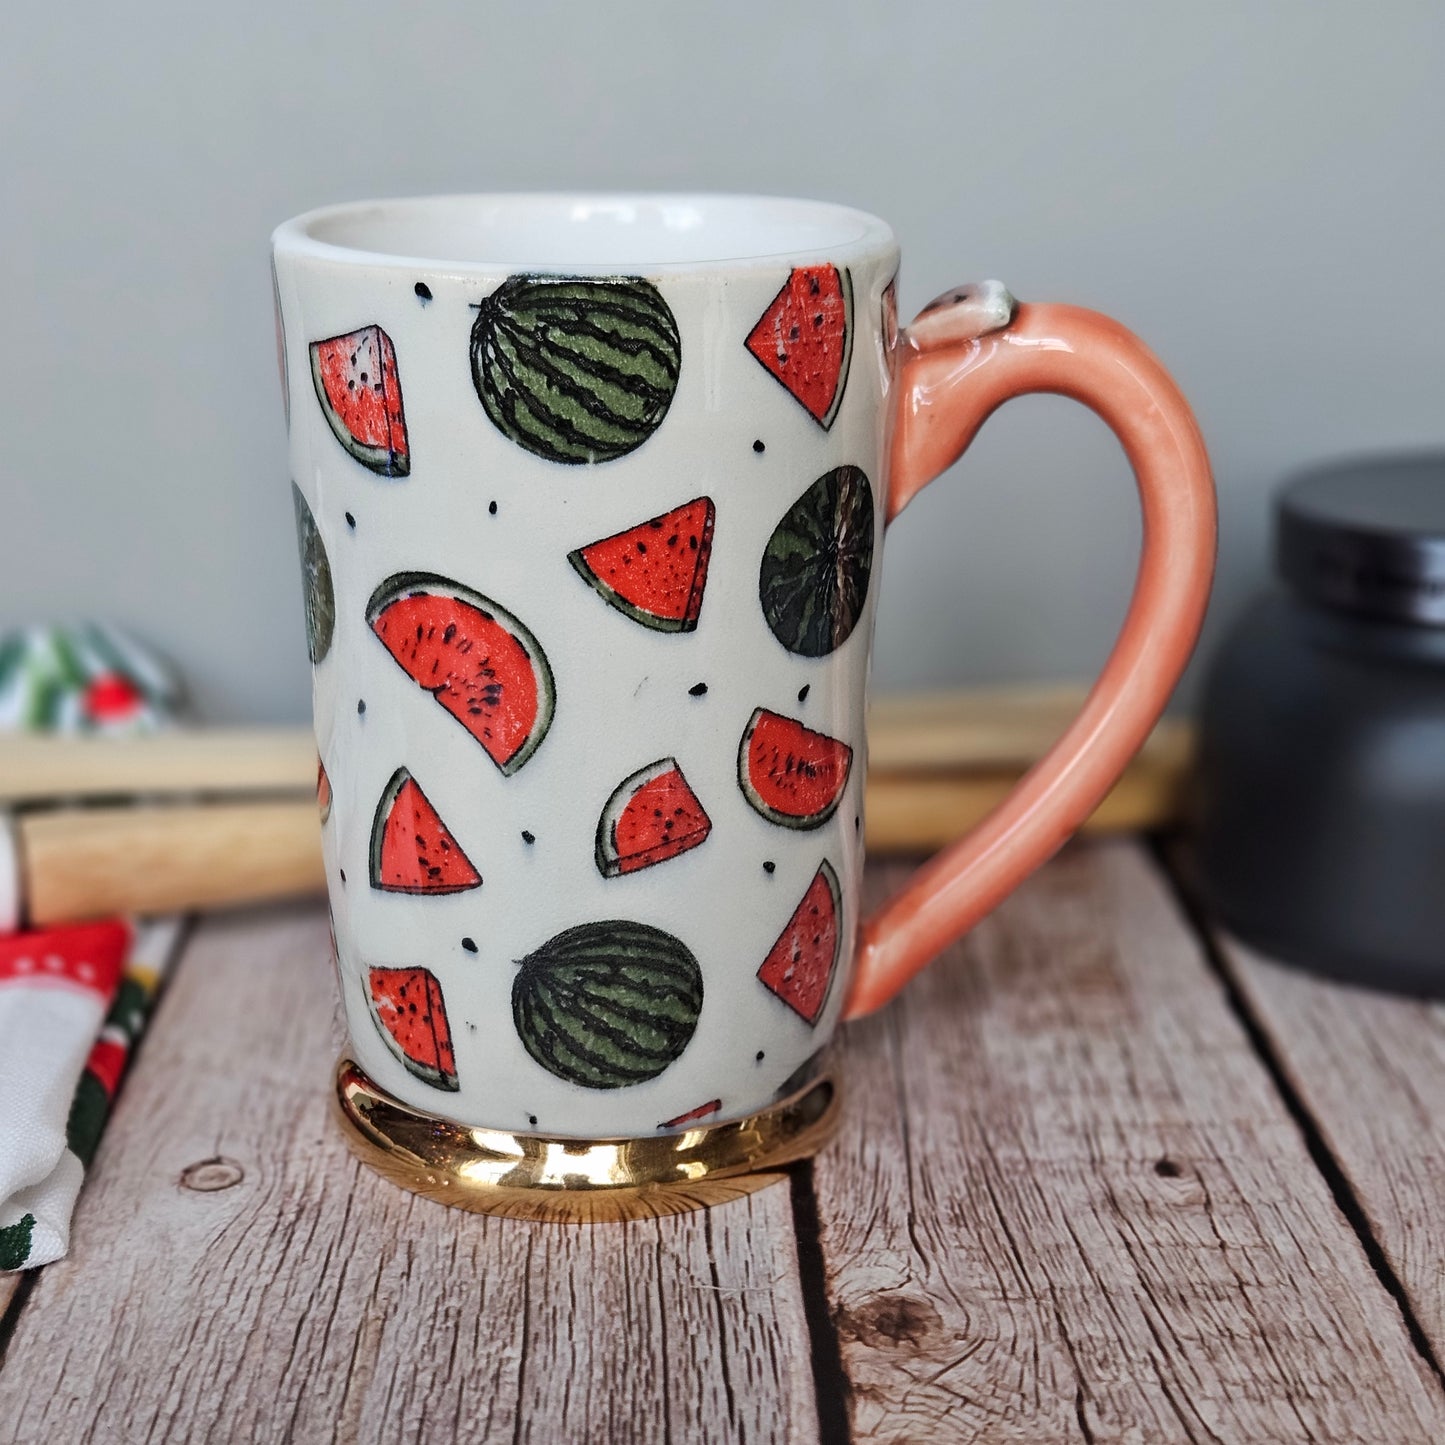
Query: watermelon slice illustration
x=412 y=850
x=792 y=775
x=799 y=967
x=701 y=1112
x=651 y=816
x=805 y=338
x=360 y=394
x=323 y=791
x=407 y=1008
x=654 y=572
x=479 y=662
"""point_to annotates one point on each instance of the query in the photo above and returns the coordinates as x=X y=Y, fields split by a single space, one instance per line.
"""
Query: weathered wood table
x=1101 y=1179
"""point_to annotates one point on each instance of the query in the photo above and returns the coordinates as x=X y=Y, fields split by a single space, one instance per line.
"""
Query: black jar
x=1322 y=742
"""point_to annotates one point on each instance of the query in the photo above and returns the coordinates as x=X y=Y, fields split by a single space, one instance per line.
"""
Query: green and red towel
x=73 y=1002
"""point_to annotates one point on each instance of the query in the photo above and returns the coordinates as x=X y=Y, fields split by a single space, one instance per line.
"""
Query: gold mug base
x=579 y=1181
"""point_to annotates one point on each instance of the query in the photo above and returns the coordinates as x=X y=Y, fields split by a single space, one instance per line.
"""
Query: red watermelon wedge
x=799 y=967
x=789 y=773
x=360 y=394
x=692 y=1115
x=412 y=850
x=805 y=338
x=654 y=572
x=479 y=662
x=651 y=816
x=407 y=1008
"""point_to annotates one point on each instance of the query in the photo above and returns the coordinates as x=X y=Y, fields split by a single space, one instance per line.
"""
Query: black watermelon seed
x=361 y=707
x=769 y=866
x=760 y=1056
x=342 y=871
x=697 y=689
x=758 y=446
x=527 y=838
x=492 y=508
x=469 y=945
x=803 y=691
x=422 y=290
x=351 y=521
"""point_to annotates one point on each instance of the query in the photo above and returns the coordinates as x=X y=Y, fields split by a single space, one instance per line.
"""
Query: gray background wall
x=1257 y=188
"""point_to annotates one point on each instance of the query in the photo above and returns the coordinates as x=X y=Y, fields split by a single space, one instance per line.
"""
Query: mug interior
x=583 y=232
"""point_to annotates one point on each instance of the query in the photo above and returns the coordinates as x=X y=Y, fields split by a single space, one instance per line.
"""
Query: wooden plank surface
x=235 y=1275
x=1069 y=1205
x=1369 y=1070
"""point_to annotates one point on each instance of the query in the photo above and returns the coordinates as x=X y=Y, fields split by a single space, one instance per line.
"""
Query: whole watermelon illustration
x=607 y=1004
x=805 y=338
x=479 y=662
x=359 y=390
x=655 y=572
x=576 y=369
x=813 y=581
x=316 y=588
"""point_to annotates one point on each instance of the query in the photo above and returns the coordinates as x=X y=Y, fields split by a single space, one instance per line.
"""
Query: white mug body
x=594 y=854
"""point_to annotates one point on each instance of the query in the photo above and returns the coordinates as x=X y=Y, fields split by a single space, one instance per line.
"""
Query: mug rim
x=787 y=228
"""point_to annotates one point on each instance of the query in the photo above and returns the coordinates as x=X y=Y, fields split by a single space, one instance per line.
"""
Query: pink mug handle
x=964 y=356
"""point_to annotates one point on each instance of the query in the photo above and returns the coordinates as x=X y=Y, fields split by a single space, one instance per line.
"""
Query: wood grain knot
x=206 y=1176
x=892 y=1320
x=1167 y=1169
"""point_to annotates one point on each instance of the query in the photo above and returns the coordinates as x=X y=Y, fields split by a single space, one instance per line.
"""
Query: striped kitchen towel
x=73 y=1002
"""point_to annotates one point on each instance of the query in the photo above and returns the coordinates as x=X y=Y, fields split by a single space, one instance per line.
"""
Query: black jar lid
x=1368 y=536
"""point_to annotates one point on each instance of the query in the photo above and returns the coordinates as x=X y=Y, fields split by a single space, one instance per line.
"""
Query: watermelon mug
x=591 y=493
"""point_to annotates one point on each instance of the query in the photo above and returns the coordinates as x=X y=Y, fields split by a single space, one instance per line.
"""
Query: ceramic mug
x=591 y=494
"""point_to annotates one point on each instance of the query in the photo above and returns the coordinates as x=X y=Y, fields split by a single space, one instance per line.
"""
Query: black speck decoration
x=361 y=707
x=532 y=1120
x=759 y=447
x=351 y=521
x=698 y=689
x=803 y=692
x=342 y=871
x=492 y=508
x=769 y=866
x=469 y=944
x=423 y=291
x=759 y=1057
x=528 y=838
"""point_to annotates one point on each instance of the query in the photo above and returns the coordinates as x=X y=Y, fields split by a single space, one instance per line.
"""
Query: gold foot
x=532 y=1176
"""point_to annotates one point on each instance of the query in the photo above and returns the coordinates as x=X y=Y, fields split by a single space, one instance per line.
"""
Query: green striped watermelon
x=412 y=850
x=791 y=774
x=576 y=369
x=316 y=589
x=608 y=1004
x=655 y=572
x=479 y=662
x=813 y=580
x=799 y=967
x=409 y=1014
